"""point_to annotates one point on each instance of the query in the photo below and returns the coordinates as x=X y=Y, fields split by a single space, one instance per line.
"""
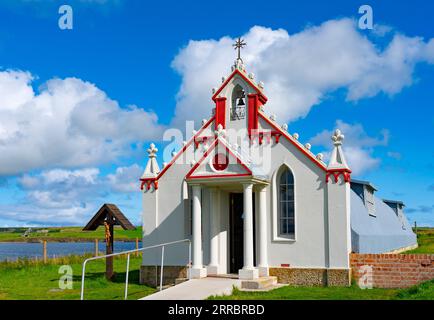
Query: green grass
x=424 y=291
x=425 y=239
x=68 y=234
x=33 y=280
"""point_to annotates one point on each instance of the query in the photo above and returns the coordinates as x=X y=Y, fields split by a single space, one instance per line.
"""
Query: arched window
x=286 y=203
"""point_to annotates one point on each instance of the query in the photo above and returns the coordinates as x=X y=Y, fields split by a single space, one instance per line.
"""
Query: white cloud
x=302 y=69
x=125 y=179
x=60 y=188
x=358 y=146
x=68 y=123
x=70 y=197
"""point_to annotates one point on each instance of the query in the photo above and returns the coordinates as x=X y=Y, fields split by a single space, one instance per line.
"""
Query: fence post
x=96 y=248
x=44 y=250
x=137 y=246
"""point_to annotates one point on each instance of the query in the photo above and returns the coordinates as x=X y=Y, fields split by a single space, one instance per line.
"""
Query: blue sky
x=140 y=61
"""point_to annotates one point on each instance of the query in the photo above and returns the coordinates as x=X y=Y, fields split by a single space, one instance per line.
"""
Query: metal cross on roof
x=238 y=45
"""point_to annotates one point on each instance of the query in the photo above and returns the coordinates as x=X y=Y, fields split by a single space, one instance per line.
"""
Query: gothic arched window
x=286 y=203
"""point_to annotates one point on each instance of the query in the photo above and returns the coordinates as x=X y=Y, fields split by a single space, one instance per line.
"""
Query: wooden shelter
x=109 y=216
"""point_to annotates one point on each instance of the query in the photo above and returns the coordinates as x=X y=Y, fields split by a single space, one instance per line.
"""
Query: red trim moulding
x=220 y=112
x=190 y=141
x=221 y=176
x=320 y=165
x=262 y=97
x=148 y=183
x=212 y=147
x=253 y=113
x=267 y=134
x=346 y=173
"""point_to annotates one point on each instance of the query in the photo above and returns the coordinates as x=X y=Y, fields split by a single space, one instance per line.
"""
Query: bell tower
x=239 y=97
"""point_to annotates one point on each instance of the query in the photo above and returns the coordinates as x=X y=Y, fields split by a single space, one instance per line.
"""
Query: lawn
x=29 y=280
x=424 y=291
x=66 y=234
x=425 y=239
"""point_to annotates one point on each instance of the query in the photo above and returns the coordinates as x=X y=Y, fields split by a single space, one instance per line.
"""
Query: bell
x=241 y=102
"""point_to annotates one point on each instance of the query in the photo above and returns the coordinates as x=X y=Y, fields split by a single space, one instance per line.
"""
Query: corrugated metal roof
x=382 y=233
x=366 y=183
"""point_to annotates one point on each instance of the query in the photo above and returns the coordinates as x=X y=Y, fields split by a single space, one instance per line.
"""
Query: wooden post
x=137 y=247
x=96 y=248
x=109 y=250
x=44 y=250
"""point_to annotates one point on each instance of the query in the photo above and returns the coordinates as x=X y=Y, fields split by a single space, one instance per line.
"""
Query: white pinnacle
x=337 y=158
x=338 y=137
x=152 y=168
x=220 y=131
x=152 y=151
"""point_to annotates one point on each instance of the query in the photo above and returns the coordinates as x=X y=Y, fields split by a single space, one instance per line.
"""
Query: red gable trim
x=234 y=175
x=262 y=97
x=179 y=153
x=286 y=135
x=346 y=173
x=205 y=155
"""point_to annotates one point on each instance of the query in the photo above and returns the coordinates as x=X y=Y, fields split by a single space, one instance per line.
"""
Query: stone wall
x=392 y=270
x=150 y=275
x=312 y=276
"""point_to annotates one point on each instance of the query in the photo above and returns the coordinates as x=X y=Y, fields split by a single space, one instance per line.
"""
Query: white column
x=248 y=272
x=262 y=223
x=213 y=267
x=197 y=269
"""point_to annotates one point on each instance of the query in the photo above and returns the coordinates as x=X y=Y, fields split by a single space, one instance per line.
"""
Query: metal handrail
x=128 y=252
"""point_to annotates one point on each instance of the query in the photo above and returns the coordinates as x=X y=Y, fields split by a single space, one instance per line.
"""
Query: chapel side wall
x=170 y=219
x=309 y=250
x=338 y=193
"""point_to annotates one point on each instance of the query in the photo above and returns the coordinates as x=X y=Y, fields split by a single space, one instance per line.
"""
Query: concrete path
x=196 y=289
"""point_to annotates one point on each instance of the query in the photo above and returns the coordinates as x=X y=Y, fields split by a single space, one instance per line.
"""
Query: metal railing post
x=126 y=277
x=162 y=266
x=82 y=280
x=128 y=253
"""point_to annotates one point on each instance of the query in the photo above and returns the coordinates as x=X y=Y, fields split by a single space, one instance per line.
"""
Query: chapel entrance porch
x=242 y=236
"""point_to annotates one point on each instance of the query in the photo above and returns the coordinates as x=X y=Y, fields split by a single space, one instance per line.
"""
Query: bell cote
x=238 y=99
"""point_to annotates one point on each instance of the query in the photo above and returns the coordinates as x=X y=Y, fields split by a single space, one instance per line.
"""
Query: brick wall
x=393 y=270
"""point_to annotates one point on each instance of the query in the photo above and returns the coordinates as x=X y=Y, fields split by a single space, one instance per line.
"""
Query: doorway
x=236 y=241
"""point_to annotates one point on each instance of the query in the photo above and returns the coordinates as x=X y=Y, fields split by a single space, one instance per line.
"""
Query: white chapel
x=255 y=201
